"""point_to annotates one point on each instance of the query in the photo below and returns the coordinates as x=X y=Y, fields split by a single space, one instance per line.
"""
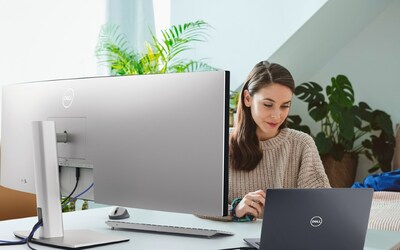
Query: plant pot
x=341 y=173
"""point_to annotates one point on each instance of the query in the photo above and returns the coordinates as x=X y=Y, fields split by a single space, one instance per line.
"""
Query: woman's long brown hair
x=244 y=148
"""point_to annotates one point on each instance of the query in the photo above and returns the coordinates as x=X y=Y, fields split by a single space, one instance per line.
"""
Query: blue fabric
x=387 y=181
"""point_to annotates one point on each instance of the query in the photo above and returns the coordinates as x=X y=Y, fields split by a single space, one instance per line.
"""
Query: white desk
x=94 y=219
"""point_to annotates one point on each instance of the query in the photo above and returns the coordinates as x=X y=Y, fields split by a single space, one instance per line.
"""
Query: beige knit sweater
x=290 y=160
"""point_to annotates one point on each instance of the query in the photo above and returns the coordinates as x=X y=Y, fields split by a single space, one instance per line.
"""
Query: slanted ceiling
x=330 y=29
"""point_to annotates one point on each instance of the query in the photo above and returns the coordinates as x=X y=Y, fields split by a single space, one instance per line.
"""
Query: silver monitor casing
x=151 y=141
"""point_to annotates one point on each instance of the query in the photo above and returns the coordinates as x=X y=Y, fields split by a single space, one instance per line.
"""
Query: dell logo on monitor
x=68 y=98
x=316 y=221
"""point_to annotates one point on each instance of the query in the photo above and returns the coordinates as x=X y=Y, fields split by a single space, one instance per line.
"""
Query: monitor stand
x=48 y=201
x=74 y=239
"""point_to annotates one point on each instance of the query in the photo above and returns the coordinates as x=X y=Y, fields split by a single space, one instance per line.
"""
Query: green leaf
x=368 y=154
x=346 y=124
x=340 y=93
x=112 y=49
x=382 y=121
x=294 y=119
x=318 y=111
x=309 y=92
x=364 y=111
x=335 y=111
x=383 y=150
x=374 y=168
x=367 y=143
x=294 y=122
x=191 y=66
x=161 y=56
x=179 y=38
x=323 y=143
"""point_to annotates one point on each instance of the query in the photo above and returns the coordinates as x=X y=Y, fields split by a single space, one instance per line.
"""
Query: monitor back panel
x=168 y=146
x=147 y=141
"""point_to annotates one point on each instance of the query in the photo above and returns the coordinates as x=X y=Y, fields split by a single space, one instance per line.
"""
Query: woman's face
x=269 y=108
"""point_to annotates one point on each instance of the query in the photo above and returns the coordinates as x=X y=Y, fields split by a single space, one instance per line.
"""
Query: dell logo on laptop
x=68 y=98
x=316 y=221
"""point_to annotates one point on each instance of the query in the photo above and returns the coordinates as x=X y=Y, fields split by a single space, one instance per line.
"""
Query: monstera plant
x=346 y=128
x=160 y=56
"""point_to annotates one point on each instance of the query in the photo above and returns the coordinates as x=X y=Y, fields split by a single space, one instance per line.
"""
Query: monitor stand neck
x=47 y=180
x=48 y=197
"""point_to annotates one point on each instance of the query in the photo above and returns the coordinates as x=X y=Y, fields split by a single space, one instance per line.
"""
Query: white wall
x=358 y=38
x=371 y=62
x=363 y=44
x=47 y=39
x=245 y=32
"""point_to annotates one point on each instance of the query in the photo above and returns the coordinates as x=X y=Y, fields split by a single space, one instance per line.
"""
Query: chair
x=16 y=204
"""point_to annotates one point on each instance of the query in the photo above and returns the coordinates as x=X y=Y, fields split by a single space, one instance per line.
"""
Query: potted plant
x=160 y=56
x=346 y=129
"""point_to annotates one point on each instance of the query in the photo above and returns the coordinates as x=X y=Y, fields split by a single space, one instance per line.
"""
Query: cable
x=25 y=240
x=36 y=227
x=77 y=175
x=29 y=245
x=87 y=189
x=29 y=238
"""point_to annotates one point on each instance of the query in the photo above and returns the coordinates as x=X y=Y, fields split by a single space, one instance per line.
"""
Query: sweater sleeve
x=312 y=173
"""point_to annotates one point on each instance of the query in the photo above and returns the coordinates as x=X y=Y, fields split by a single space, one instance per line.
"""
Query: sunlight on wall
x=162 y=15
x=49 y=39
x=244 y=32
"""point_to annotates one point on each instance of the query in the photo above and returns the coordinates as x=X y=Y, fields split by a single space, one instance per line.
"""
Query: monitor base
x=75 y=239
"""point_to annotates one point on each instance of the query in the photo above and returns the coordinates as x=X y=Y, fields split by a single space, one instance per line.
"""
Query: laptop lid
x=335 y=218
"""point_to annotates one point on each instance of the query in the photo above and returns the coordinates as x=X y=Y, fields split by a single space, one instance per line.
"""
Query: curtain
x=135 y=18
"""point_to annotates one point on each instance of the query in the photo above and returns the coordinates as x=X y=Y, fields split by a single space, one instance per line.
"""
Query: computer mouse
x=118 y=213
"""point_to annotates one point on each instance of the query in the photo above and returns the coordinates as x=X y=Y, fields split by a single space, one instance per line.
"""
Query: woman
x=263 y=152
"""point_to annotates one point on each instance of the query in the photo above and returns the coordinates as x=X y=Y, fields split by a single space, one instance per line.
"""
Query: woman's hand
x=252 y=203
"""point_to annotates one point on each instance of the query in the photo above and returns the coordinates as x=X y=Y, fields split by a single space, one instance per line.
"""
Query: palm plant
x=160 y=56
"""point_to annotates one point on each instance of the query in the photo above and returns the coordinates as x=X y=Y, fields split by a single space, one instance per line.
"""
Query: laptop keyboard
x=202 y=232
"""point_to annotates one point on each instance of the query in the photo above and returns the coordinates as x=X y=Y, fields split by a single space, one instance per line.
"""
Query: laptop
x=335 y=218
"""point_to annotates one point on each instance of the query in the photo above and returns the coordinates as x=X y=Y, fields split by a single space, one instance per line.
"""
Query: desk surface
x=94 y=219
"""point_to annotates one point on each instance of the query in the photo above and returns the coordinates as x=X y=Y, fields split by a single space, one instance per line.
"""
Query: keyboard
x=201 y=232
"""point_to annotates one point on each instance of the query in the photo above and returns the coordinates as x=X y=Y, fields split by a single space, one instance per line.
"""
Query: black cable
x=29 y=245
x=12 y=243
x=77 y=175
x=29 y=238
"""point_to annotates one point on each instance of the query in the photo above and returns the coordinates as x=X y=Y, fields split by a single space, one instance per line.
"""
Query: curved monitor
x=147 y=141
